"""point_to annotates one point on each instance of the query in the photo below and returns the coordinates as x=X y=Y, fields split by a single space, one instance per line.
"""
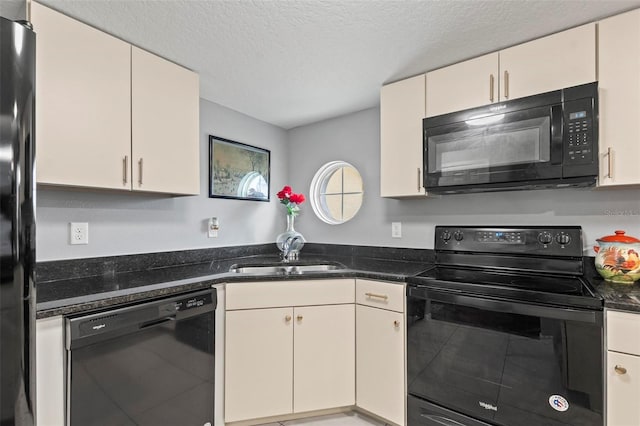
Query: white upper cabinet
x=402 y=108
x=564 y=59
x=165 y=125
x=109 y=115
x=619 y=99
x=465 y=85
x=83 y=108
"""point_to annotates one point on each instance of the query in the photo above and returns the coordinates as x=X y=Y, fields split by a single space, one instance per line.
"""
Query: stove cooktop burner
x=532 y=282
x=530 y=264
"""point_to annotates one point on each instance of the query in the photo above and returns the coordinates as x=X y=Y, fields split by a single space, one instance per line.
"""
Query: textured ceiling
x=291 y=63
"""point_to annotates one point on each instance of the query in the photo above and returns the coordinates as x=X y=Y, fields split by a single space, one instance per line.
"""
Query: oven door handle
x=507 y=306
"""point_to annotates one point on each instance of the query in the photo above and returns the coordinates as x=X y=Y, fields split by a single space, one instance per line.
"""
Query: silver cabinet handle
x=609 y=164
x=140 y=172
x=491 y=80
x=379 y=296
x=419 y=183
x=125 y=169
x=506 y=84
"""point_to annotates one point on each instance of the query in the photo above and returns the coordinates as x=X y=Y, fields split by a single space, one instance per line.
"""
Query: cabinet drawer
x=251 y=295
x=622 y=332
x=380 y=295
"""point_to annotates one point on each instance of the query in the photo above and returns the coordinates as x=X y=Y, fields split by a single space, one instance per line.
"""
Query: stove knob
x=446 y=235
x=458 y=235
x=563 y=239
x=545 y=238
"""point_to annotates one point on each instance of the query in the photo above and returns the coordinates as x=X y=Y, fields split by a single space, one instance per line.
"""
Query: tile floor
x=341 y=419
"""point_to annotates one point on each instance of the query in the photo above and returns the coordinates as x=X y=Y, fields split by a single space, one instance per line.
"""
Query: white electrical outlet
x=78 y=233
x=213 y=227
x=396 y=229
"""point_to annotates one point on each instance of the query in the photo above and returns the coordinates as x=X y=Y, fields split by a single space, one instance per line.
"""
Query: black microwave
x=548 y=140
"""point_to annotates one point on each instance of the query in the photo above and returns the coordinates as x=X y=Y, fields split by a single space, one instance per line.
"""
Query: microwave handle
x=557 y=134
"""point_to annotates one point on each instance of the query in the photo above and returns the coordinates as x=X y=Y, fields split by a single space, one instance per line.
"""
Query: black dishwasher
x=146 y=364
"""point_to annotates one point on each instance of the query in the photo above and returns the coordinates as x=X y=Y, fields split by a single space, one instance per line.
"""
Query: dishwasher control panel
x=188 y=303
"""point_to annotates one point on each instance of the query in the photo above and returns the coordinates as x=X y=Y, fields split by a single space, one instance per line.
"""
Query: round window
x=336 y=192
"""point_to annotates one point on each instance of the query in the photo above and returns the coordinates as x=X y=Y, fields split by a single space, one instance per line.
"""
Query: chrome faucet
x=288 y=253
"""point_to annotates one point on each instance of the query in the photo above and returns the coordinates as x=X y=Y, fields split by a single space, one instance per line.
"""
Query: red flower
x=285 y=193
x=297 y=198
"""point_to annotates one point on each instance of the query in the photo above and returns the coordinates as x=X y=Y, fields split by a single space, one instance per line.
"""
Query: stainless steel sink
x=283 y=269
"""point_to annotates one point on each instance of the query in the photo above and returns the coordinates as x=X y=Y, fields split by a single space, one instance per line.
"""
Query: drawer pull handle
x=378 y=296
x=299 y=317
x=620 y=369
x=287 y=318
x=396 y=323
x=140 y=172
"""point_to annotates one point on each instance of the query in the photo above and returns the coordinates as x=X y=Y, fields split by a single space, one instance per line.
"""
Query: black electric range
x=504 y=330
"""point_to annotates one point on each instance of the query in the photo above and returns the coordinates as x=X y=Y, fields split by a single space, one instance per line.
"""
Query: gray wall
x=355 y=138
x=126 y=223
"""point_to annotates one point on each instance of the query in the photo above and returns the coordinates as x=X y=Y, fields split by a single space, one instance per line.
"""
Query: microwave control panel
x=578 y=140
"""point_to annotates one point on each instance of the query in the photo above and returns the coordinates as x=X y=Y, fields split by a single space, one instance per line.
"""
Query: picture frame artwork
x=238 y=171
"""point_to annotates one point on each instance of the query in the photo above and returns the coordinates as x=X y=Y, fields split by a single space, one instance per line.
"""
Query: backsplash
x=111 y=265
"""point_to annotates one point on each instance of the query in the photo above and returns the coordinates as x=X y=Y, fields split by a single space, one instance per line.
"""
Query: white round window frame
x=320 y=179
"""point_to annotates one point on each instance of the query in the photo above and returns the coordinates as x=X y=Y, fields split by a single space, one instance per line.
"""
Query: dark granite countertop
x=107 y=282
x=72 y=296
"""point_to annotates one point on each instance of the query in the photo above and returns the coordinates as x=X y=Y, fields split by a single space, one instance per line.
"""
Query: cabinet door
x=50 y=371
x=258 y=363
x=324 y=353
x=464 y=85
x=83 y=108
x=554 y=62
x=165 y=125
x=619 y=98
x=380 y=379
x=402 y=108
x=623 y=389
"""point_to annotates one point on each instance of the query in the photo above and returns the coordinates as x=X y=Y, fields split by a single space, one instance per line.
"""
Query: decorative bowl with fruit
x=618 y=258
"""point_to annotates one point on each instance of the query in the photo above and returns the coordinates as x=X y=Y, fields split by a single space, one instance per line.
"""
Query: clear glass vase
x=290 y=242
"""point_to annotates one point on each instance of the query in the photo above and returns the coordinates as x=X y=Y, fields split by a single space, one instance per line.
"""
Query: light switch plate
x=396 y=229
x=78 y=233
x=213 y=227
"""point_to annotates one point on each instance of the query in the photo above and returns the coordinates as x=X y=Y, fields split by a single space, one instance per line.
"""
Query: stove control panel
x=552 y=241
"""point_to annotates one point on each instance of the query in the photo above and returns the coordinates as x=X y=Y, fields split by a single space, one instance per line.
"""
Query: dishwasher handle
x=93 y=328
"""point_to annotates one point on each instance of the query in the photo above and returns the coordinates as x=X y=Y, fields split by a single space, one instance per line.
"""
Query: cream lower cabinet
x=619 y=99
x=402 y=108
x=110 y=115
x=50 y=372
x=258 y=363
x=380 y=349
x=623 y=369
x=288 y=359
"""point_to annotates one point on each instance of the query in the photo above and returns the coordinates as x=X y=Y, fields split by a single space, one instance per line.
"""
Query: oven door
x=501 y=362
x=480 y=147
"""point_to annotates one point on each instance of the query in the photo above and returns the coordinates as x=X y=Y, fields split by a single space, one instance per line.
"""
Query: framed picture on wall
x=238 y=171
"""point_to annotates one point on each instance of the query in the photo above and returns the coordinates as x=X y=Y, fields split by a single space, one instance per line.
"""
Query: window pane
x=352 y=180
x=352 y=203
x=334 y=205
x=334 y=183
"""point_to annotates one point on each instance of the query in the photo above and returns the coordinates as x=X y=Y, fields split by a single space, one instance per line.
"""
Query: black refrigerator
x=17 y=224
